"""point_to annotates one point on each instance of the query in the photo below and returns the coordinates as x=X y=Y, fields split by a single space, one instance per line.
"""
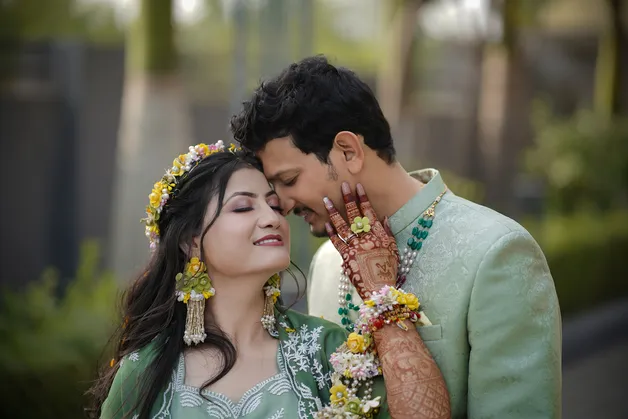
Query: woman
x=219 y=239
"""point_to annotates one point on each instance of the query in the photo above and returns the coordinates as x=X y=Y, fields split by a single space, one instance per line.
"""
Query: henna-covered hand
x=370 y=258
x=415 y=387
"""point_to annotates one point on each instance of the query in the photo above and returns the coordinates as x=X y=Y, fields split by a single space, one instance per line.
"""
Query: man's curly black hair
x=311 y=101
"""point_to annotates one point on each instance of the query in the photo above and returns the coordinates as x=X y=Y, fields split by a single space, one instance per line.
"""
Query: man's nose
x=287 y=203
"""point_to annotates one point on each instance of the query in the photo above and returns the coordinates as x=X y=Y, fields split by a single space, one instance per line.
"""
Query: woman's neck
x=237 y=309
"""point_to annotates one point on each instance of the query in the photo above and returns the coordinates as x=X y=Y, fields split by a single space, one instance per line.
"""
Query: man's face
x=301 y=181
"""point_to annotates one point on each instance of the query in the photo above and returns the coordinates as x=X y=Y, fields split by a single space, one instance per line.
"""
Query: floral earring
x=193 y=287
x=272 y=292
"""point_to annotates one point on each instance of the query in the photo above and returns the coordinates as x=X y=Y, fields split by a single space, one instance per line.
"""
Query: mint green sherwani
x=484 y=284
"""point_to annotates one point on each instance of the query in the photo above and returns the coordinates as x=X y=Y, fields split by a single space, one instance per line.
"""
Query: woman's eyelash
x=246 y=209
x=290 y=182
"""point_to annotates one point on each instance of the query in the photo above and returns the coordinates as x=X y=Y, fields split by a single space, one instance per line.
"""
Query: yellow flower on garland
x=409 y=300
x=338 y=394
x=412 y=302
x=361 y=224
x=356 y=343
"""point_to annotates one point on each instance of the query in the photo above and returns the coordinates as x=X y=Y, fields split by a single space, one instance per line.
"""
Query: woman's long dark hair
x=150 y=308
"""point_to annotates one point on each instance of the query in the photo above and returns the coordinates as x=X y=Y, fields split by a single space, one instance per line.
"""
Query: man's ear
x=352 y=148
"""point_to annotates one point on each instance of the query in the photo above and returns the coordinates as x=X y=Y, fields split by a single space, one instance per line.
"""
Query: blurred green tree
x=32 y=20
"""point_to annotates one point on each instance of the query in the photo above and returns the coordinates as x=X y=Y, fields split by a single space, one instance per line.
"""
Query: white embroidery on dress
x=252 y=403
x=134 y=356
x=218 y=410
x=280 y=387
x=164 y=410
x=278 y=414
x=190 y=399
x=221 y=407
x=299 y=351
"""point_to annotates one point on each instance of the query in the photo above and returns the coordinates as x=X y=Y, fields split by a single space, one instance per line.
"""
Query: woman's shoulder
x=126 y=386
x=134 y=363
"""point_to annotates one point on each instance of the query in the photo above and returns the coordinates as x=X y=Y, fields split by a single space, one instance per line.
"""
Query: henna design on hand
x=370 y=259
x=414 y=385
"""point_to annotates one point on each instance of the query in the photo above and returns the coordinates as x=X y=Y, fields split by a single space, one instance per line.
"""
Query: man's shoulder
x=469 y=218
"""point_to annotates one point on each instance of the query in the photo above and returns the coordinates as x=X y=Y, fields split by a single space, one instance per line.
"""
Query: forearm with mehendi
x=415 y=387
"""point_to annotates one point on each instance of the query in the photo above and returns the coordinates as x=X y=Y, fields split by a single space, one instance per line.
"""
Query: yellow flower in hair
x=155 y=199
x=338 y=394
x=204 y=148
x=356 y=343
x=177 y=165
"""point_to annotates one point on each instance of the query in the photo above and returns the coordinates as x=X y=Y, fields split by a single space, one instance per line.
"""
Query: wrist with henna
x=415 y=387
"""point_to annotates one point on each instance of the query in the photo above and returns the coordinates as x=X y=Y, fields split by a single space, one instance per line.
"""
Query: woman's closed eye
x=243 y=209
x=249 y=208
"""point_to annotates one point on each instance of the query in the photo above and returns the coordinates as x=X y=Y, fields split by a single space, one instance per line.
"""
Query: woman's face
x=250 y=236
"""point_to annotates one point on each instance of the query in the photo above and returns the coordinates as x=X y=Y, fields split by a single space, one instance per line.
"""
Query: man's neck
x=390 y=188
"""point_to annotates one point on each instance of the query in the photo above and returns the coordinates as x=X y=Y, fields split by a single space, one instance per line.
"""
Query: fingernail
x=360 y=188
x=328 y=203
x=345 y=188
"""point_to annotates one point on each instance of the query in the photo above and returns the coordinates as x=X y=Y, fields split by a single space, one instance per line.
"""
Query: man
x=491 y=315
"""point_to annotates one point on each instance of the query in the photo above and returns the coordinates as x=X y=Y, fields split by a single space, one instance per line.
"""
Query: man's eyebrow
x=277 y=175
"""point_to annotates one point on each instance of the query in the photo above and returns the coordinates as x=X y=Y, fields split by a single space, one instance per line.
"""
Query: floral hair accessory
x=164 y=189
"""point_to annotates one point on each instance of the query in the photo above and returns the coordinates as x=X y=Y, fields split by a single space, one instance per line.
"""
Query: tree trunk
x=608 y=66
x=154 y=129
x=395 y=78
x=504 y=111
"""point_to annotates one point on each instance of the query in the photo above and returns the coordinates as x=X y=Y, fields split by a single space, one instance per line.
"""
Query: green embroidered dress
x=298 y=390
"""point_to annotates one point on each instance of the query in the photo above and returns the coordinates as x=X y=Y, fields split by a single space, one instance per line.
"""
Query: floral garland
x=356 y=363
x=165 y=187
